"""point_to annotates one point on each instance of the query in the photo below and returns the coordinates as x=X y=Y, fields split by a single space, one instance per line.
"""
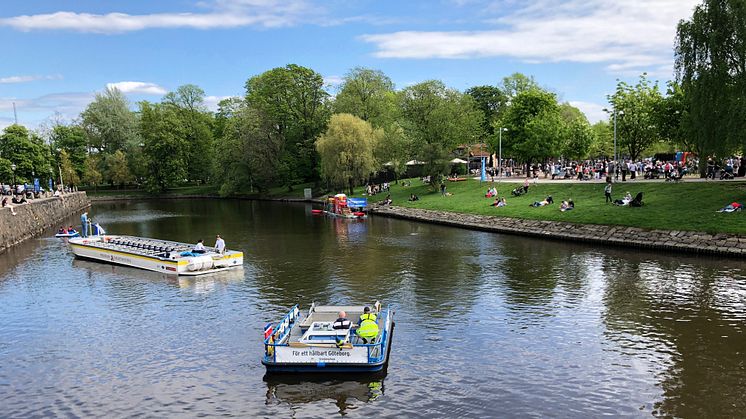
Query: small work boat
x=341 y=206
x=155 y=255
x=310 y=343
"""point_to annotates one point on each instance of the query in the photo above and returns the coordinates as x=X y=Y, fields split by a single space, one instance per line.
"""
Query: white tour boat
x=310 y=343
x=155 y=255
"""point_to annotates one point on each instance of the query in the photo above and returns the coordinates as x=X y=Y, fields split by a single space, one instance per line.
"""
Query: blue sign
x=37 y=188
x=357 y=202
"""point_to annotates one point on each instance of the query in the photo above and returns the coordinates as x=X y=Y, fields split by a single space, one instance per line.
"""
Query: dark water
x=487 y=325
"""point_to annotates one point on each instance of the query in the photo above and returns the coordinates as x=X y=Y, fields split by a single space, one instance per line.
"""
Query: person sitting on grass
x=413 y=197
x=567 y=205
x=491 y=192
x=624 y=201
x=501 y=202
x=386 y=201
x=548 y=200
x=732 y=207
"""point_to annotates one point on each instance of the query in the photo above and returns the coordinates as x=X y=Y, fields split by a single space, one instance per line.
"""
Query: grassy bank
x=672 y=206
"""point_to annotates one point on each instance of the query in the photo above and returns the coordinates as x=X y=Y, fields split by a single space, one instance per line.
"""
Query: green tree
x=637 y=117
x=164 y=146
x=392 y=150
x=437 y=119
x=27 y=151
x=91 y=175
x=347 y=151
x=517 y=83
x=710 y=66
x=295 y=103
x=119 y=172
x=69 y=174
x=536 y=126
x=579 y=135
x=603 y=144
x=188 y=100
x=491 y=101
x=108 y=121
x=73 y=140
x=367 y=94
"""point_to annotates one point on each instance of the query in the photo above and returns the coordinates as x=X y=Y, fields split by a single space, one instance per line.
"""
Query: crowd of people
x=15 y=195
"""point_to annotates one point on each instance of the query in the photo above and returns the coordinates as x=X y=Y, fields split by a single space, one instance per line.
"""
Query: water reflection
x=345 y=391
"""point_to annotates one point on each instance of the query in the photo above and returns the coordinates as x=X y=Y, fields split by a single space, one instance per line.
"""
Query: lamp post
x=13 y=169
x=500 y=151
x=616 y=162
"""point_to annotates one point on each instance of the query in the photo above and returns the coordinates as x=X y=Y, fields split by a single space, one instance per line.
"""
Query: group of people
x=367 y=328
x=68 y=230
x=627 y=200
x=200 y=248
x=374 y=189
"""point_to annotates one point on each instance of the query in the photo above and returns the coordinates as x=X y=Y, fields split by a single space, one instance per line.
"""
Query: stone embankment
x=38 y=215
x=677 y=241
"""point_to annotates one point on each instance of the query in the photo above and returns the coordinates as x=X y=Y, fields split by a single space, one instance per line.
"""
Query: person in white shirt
x=199 y=247
x=219 y=244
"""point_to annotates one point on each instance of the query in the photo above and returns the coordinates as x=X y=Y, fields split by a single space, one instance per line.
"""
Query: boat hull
x=99 y=249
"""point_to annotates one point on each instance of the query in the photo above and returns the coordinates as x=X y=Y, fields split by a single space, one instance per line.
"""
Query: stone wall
x=677 y=241
x=33 y=218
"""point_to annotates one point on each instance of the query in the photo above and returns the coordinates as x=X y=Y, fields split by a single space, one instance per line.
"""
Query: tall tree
x=579 y=135
x=189 y=102
x=26 y=150
x=73 y=140
x=392 y=150
x=69 y=174
x=367 y=94
x=516 y=84
x=711 y=68
x=164 y=146
x=295 y=102
x=91 y=175
x=637 y=115
x=119 y=172
x=347 y=149
x=603 y=144
x=437 y=119
x=536 y=127
x=108 y=121
x=491 y=101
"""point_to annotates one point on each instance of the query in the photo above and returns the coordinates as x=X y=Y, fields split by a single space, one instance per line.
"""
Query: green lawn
x=671 y=206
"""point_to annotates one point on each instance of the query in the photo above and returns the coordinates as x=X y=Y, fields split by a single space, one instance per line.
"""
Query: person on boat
x=219 y=244
x=368 y=330
x=367 y=315
x=84 y=224
x=62 y=230
x=71 y=230
x=342 y=322
x=199 y=247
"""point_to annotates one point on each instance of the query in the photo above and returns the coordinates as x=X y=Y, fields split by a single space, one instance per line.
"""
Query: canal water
x=486 y=325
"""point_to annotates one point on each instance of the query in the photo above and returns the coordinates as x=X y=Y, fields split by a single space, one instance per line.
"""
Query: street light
x=13 y=168
x=616 y=162
x=500 y=152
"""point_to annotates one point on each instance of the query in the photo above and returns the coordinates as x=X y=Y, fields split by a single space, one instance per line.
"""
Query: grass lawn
x=671 y=206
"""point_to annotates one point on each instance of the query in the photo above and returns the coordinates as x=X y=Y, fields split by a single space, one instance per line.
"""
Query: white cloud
x=29 y=78
x=222 y=14
x=211 y=102
x=333 y=80
x=628 y=36
x=593 y=111
x=138 y=87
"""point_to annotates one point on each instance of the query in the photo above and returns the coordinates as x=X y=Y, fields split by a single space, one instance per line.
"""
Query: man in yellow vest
x=368 y=329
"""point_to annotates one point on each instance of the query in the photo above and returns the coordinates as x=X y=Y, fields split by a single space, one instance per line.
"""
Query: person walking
x=607 y=190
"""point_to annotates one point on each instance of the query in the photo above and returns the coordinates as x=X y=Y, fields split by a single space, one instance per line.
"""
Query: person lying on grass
x=548 y=200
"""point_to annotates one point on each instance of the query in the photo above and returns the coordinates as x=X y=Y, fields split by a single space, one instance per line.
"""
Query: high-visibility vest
x=368 y=329
x=368 y=316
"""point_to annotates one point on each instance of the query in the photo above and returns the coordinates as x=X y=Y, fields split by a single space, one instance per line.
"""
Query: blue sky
x=58 y=54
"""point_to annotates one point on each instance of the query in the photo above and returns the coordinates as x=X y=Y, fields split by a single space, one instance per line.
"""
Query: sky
x=57 y=54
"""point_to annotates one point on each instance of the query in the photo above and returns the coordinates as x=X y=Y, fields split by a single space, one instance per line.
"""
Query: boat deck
x=147 y=247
